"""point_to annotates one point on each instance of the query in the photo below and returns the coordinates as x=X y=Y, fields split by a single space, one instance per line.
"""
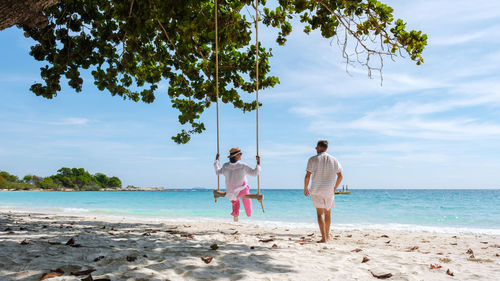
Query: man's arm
x=339 y=180
x=306 y=183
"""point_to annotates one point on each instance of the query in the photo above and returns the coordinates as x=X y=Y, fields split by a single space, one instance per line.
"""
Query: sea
x=436 y=210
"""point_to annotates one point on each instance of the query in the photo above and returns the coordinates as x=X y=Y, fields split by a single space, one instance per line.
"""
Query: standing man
x=326 y=176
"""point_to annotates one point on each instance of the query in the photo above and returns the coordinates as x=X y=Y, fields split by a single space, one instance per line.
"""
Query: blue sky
x=430 y=126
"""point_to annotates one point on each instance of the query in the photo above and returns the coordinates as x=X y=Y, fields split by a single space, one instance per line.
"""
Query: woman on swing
x=235 y=173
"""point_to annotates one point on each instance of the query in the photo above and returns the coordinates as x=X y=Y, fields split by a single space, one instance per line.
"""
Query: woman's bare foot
x=235 y=219
x=321 y=241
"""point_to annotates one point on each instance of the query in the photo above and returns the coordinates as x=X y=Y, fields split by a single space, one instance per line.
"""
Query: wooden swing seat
x=257 y=196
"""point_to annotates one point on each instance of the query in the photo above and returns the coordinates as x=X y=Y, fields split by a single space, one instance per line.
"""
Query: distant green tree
x=64 y=177
x=46 y=183
x=114 y=182
x=101 y=179
x=32 y=179
x=82 y=177
x=3 y=182
x=27 y=178
x=72 y=177
x=8 y=177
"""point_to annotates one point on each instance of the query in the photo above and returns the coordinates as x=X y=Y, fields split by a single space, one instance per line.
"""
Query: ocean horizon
x=433 y=210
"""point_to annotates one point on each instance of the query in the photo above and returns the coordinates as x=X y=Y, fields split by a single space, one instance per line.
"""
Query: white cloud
x=453 y=129
x=491 y=32
x=280 y=150
x=159 y=158
x=70 y=121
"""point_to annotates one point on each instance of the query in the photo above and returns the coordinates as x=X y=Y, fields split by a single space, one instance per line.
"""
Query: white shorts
x=323 y=202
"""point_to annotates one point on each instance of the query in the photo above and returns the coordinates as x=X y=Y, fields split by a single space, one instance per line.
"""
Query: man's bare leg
x=321 y=222
x=328 y=219
x=235 y=218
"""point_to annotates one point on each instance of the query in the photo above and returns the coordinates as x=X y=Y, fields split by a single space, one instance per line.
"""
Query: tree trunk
x=27 y=12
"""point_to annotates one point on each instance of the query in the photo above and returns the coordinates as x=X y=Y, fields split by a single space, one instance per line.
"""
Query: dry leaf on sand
x=381 y=276
x=207 y=260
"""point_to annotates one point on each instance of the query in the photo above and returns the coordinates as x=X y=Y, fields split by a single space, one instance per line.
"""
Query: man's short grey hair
x=323 y=144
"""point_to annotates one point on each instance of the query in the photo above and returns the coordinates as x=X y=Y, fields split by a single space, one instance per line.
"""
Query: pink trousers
x=247 y=203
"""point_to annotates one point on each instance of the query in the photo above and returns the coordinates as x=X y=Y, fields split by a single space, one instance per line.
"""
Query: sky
x=431 y=126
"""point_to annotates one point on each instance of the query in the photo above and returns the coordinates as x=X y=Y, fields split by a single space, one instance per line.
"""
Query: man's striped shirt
x=324 y=169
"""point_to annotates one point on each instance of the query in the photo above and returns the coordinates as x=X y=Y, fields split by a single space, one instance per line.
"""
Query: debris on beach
x=435 y=266
x=190 y=236
x=131 y=258
x=54 y=243
x=53 y=273
x=83 y=272
x=266 y=240
x=274 y=246
x=365 y=259
x=214 y=246
x=89 y=278
x=388 y=242
x=439 y=253
x=449 y=272
x=71 y=241
x=349 y=236
x=207 y=260
x=252 y=247
x=453 y=244
x=411 y=249
x=234 y=233
x=301 y=241
x=25 y=242
x=381 y=276
x=384 y=236
x=470 y=252
x=312 y=234
x=99 y=258
x=356 y=250
x=146 y=234
x=484 y=242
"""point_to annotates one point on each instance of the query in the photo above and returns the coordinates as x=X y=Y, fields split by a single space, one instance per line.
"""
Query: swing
x=217 y=193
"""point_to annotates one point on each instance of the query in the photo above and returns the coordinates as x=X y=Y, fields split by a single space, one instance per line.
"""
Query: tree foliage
x=132 y=46
x=73 y=178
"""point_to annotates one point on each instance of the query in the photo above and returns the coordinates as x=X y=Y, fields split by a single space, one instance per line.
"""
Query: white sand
x=167 y=251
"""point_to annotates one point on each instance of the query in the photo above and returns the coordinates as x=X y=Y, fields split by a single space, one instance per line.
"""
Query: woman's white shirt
x=235 y=176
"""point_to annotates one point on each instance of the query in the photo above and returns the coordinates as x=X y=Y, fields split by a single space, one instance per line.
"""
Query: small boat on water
x=344 y=190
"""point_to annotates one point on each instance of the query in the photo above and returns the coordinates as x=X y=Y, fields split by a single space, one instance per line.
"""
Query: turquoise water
x=476 y=211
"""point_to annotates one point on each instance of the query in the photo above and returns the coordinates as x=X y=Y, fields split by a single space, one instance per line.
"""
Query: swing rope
x=257 y=81
x=217 y=84
x=260 y=197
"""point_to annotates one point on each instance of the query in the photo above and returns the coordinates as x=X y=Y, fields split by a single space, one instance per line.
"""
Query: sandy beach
x=129 y=249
